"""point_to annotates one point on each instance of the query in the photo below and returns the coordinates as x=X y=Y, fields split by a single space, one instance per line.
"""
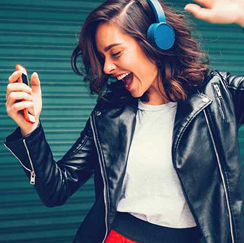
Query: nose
x=108 y=66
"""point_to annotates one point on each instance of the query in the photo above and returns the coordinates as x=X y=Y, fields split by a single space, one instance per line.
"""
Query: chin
x=136 y=95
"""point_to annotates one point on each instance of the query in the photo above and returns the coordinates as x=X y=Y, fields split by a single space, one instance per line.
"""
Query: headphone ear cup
x=150 y=34
x=162 y=35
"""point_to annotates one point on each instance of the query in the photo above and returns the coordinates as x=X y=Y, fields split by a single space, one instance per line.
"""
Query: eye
x=116 y=54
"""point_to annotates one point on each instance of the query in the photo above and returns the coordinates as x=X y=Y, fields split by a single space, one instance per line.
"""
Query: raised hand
x=218 y=11
x=16 y=93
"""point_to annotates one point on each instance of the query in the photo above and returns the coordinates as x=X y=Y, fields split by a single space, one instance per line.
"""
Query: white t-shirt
x=151 y=188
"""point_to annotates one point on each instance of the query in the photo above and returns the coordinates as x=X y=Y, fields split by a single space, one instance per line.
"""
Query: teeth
x=122 y=76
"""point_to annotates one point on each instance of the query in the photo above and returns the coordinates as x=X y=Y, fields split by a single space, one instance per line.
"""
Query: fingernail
x=36 y=74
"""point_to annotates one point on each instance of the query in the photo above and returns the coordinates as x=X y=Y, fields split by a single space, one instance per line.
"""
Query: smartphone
x=24 y=79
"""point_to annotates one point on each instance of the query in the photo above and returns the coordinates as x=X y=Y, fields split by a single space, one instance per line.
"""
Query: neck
x=156 y=95
x=155 y=101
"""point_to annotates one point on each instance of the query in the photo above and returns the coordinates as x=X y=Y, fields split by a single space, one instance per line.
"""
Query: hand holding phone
x=24 y=103
x=24 y=79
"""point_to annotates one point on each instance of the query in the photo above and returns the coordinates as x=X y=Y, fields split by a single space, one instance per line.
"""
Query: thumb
x=35 y=82
x=192 y=8
x=198 y=12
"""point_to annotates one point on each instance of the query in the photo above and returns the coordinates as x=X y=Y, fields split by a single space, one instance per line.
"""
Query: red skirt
x=115 y=237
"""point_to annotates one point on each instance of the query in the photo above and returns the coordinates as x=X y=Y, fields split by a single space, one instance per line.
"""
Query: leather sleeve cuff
x=14 y=142
x=16 y=135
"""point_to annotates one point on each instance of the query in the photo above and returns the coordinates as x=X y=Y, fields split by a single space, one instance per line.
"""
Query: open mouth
x=128 y=81
x=127 y=78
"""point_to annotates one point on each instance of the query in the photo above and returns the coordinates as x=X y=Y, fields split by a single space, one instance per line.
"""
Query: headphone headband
x=160 y=34
x=158 y=10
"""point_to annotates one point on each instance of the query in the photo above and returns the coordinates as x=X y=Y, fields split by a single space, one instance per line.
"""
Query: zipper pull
x=218 y=90
x=32 y=178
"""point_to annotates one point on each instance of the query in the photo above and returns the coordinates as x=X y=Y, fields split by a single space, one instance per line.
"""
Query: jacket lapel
x=186 y=112
x=114 y=130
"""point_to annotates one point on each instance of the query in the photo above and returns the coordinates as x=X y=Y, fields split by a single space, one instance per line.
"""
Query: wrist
x=241 y=22
x=26 y=131
x=240 y=19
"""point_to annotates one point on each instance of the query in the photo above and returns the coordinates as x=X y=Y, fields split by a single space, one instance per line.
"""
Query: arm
x=224 y=12
x=235 y=85
x=54 y=182
x=218 y=11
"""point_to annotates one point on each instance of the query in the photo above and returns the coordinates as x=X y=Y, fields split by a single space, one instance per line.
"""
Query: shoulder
x=215 y=76
x=225 y=78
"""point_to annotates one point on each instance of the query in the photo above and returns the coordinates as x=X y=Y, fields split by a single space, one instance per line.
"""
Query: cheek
x=141 y=73
x=127 y=63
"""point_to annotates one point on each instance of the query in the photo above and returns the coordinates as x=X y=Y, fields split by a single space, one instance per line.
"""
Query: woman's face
x=125 y=60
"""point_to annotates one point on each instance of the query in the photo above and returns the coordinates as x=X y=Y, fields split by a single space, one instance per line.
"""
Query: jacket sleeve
x=235 y=84
x=54 y=182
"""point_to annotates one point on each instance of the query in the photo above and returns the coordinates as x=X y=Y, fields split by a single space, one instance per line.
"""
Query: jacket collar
x=115 y=127
x=187 y=111
x=185 y=114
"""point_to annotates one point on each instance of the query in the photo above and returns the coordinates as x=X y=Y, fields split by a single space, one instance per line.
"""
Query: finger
x=35 y=82
x=205 y=3
x=17 y=87
x=14 y=77
x=198 y=12
x=19 y=107
x=17 y=96
x=32 y=110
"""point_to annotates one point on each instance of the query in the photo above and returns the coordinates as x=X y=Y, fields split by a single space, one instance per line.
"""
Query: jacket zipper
x=32 y=172
x=33 y=175
x=220 y=98
x=222 y=177
x=104 y=182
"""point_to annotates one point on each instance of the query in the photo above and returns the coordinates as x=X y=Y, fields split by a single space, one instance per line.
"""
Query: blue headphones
x=161 y=33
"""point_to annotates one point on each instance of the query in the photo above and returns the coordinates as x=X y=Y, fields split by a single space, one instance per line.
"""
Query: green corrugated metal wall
x=41 y=36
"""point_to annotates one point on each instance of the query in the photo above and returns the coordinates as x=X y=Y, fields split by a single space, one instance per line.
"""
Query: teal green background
x=41 y=36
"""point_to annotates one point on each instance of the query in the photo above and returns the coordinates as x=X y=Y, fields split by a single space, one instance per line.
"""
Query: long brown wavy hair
x=182 y=69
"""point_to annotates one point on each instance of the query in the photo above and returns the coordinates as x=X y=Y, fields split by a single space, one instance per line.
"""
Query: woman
x=161 y=141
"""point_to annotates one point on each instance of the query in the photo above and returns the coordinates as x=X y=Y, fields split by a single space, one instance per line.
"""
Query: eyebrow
x=110 y=46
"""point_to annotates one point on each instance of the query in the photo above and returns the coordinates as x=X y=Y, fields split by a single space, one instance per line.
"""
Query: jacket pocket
x=220 y=102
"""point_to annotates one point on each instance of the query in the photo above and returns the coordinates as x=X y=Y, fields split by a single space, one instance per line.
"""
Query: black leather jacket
x=205 y=156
